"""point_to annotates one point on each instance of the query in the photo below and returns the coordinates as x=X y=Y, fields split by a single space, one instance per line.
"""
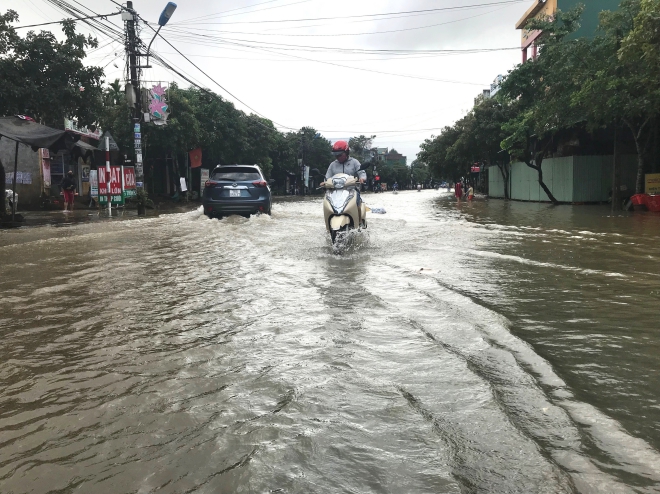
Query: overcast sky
x=291 y=64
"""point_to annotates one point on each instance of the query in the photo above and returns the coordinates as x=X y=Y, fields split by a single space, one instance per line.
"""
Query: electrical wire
x=65 y=20
x=216 y=82
x=170 y=67
x=335 y=35
x=418 y=12
x=210 y=16
x=362 y=69
x=287 y=46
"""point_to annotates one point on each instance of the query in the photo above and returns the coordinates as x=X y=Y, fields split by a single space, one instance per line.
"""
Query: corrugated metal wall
x=557 y=175
x=495 y=183
x=570 y=179
x=592 y=178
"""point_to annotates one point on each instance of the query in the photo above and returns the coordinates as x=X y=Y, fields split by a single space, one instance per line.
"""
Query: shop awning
x=86 y=147
x=30 y=133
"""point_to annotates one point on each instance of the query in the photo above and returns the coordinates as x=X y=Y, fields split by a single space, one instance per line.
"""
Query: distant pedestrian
x=458 y=191
x=470 y=193
x=69 y=190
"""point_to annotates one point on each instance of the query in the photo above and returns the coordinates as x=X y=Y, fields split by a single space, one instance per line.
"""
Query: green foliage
x=200 y=118
x=45 y=78
x=393 y=172
x=421 y=173
x=435 y=153
x=575 y=83
x=142 y=198
x=361 y=147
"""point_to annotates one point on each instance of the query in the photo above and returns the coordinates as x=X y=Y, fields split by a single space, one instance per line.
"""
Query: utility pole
x=133 y=54
x=132 y=51
x=302 y=164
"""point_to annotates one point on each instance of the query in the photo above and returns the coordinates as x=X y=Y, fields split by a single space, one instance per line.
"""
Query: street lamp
x=162 y=20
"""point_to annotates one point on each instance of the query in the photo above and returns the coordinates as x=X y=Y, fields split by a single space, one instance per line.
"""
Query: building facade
x=541 y=9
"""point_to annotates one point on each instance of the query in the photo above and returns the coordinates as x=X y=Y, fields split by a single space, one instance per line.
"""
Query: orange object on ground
x=641 y=201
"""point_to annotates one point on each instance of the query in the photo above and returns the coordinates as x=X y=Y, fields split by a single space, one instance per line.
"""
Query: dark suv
x=236 y=189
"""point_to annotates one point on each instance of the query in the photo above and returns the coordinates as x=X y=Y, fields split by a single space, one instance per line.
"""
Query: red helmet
x=340 y=147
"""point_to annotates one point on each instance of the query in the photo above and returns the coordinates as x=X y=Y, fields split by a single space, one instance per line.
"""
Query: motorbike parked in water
x=341 y=210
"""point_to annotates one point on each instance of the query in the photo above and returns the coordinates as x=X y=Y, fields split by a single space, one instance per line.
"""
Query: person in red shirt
x=69 y=190
x=458 y=191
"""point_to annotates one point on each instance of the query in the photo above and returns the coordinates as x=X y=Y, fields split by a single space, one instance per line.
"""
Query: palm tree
x=114 y=94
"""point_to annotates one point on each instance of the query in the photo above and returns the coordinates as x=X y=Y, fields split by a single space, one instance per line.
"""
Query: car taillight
x=209 y=183
x=260 y=183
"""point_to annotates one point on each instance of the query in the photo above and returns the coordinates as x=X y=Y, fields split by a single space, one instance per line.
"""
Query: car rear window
x=236 y=174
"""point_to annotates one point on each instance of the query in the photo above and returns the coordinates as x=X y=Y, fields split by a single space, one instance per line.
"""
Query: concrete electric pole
x=133 y=89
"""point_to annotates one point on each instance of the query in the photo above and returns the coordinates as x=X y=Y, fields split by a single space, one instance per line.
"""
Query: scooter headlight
x=338 y=183
x=339 y=199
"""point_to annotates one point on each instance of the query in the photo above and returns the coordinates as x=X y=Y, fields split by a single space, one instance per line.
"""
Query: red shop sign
x=115 y=180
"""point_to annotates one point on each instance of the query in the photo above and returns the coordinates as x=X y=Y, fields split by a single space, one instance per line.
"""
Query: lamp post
x=162 y=20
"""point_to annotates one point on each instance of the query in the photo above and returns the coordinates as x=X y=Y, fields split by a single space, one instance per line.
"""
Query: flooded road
x=487 y=347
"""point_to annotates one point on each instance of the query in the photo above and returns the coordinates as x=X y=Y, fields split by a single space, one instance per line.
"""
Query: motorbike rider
x=344 y=163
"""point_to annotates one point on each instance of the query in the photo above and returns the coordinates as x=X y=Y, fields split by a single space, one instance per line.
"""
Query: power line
x=419 y=12
x=93 y=23
x=65 y=20
x=335 y=35
x=349 y=67
x=196 y=19
x=215 y=82
x=292 y=47
x=381 y=59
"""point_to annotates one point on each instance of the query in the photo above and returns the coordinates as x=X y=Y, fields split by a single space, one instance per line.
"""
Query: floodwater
x=489 y=347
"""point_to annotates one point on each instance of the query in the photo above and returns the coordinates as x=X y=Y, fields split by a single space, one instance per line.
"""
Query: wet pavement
x=484 y=347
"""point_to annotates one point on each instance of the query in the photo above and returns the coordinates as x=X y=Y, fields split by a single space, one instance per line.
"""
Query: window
x=236 y=174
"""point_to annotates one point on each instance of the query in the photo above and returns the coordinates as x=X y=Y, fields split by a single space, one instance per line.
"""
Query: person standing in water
x=458 y=191
x=69 y=189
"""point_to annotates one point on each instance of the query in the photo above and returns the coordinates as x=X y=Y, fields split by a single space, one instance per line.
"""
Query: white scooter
x=340 y=206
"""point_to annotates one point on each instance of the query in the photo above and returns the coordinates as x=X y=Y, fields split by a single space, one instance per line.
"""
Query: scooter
x=341 y=210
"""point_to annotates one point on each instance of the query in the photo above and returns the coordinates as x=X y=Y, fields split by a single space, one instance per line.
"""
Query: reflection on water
x=483 y=347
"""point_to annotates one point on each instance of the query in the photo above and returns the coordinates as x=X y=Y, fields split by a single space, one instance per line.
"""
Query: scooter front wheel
x=337 y=235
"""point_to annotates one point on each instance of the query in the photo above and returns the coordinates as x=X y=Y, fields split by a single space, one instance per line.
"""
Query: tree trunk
x=616 y=176
x=537 y=166
x=2 y=189
x=505 y=177
x=641 y=151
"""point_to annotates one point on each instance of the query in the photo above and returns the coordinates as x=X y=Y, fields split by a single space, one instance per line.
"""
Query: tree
x=46 y=79
x=420 y=172
x=487 y=135
x=624 y=76
x=434 y=153
x=361 y=148
x=114 y=94
x=540 y=92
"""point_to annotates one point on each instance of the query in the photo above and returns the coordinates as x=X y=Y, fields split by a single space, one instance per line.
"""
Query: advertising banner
x=130 y=186
x=113 y=182
x=653 y=183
